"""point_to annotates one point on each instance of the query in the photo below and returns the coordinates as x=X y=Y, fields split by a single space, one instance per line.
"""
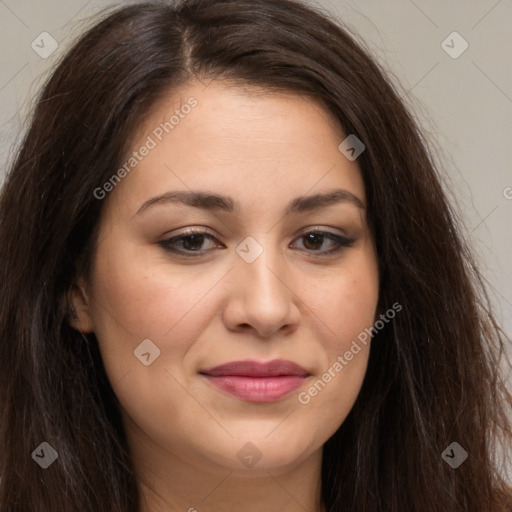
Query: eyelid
x=196 y=230
x=200 y=230
x=322 y=228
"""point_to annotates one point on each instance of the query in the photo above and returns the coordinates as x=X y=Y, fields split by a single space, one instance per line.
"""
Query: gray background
x=464 y=103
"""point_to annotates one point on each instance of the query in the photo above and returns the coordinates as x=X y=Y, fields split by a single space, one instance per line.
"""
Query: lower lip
x=257 y=389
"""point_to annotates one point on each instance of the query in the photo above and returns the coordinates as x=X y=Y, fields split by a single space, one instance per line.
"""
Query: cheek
x=347 y=302
x=134 y=301
x=347 y=307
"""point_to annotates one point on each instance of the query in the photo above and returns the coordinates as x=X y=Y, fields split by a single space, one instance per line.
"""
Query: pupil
x=313 y=239
x=194 y=238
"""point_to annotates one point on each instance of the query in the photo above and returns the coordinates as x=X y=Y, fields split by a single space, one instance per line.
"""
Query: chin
x=246 y=454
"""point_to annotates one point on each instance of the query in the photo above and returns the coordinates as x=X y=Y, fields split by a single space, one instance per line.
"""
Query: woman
x=231 y=279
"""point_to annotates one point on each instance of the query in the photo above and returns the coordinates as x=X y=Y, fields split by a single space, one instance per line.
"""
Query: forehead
x=244 y=142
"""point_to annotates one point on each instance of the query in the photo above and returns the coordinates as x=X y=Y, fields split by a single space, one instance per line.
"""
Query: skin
x=262 y=149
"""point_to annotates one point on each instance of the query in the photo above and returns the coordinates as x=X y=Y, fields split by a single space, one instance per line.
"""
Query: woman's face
x=254 y=286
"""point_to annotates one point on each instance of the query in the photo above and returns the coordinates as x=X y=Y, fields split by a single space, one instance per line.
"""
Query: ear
x=80 y=315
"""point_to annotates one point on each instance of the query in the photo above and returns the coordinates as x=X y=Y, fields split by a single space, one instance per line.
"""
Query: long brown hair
x=433 y=374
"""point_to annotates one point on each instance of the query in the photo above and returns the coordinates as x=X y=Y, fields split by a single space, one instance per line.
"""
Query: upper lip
x=249 y=368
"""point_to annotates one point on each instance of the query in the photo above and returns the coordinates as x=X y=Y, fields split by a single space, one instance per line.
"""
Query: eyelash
x=342 y=242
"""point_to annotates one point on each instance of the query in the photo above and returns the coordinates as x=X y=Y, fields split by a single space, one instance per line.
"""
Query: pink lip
x=257 y=382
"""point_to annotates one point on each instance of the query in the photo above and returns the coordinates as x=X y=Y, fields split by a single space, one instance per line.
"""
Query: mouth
x=253 y=381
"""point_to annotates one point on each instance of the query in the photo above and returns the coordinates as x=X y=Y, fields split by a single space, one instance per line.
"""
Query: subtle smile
x=253 y=381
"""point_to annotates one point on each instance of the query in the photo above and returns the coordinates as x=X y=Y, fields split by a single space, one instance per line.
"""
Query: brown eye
x=193 y=242
x=316 y=241
x=313 y=241
x=190 y=243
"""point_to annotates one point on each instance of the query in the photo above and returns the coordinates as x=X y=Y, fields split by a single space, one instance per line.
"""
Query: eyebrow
x=209 y=201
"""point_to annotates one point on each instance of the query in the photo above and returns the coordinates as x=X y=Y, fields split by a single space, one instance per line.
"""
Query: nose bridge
x=260 y=265
x=263 y=297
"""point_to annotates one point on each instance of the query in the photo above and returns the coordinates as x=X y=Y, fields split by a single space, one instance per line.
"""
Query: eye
x=190 y=242
x=313 y=241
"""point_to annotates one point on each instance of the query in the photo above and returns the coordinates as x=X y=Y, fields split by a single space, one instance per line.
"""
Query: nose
x=261 y=297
